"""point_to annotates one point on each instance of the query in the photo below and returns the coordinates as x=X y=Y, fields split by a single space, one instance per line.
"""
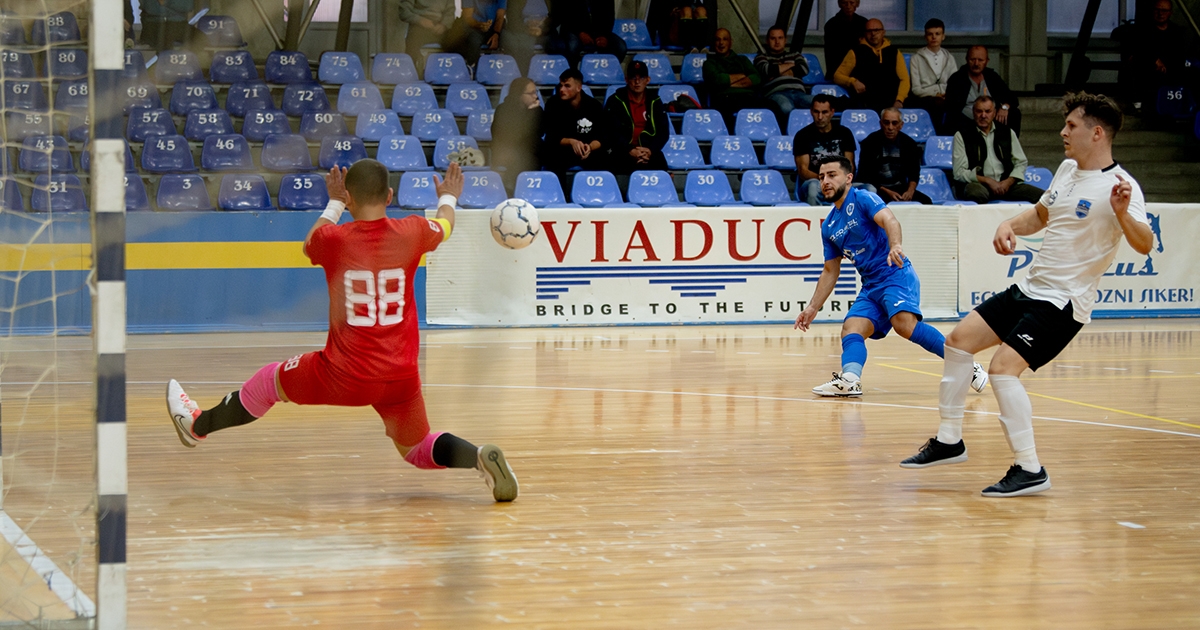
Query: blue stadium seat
x=10 y=191
x=372 y=126
x=815 y=73
x=78 y=128
x=434 y=124
x=202 y=124
x=60 y=193
x=221 y=30
x=68 y=63
x=479 y=124
x=708 y=189
x=450 y=144
x=446 y=68
x=45 y=154
x=136 y=199
x=413 y=98
x=232 y=66
x=595 y=189
x=764 y=188
x=669 y=93
x=359 y=98
x=261 y=123
x=482 y=189
x=612 y=89
x=659 y=66
x=141 y=95
x=246 y=96
x=85 y=158
x=21 y=125
x=28 y=95
x=244 y=192
x=683 y=153
x=545 y=69
x=635 y=34
x=57 y=27
x=17 y=65
x=299 y=98
x=144 y=123
x=416 y=191
x=496 y=69
x=12 y=30
x=601 y=69
x=756 y=124
x=652 y=188
x=861 y=122
x=303 y=191
x=226 y=152
x=1175 y=102
x=393 y=68
x=72 y=95
x=778 y=154
x=464 y=98
x=167 y=154
x=182 y=192
x=1038 y=176
x=402 y=153
x=798 y=119
x=917 y=124
x=340 y=67
x=540 y=188
x=340 y=151
x=831 y=89
x=703 y=124
x=177 y=65
x=318 y=125
x=135 y=66
x=284 y=66
x=734 y=153
x=933 y=183
x=908 y=63
x=939 y=151
x=692 y=70
x=286 y=153
x=189 y=96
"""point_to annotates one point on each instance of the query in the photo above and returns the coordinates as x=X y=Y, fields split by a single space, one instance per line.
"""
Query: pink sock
x=421 y=455
x=258 y=393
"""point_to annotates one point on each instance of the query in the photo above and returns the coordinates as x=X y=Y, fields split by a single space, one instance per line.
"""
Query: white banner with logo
x=666 y=266
x=1162 y=283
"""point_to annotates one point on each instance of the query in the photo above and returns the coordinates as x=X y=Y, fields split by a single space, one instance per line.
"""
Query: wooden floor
x=670 y=477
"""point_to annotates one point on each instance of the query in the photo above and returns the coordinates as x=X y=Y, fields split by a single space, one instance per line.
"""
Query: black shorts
x=1036 y=329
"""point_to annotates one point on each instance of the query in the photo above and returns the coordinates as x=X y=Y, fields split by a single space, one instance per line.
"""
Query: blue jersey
x=850 y=232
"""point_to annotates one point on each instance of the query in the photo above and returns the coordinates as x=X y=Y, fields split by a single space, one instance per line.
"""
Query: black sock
x=230 y=413
x=452 y=451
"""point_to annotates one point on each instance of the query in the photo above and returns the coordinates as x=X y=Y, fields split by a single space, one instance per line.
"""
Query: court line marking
x=55 y=579
x=1066 y=400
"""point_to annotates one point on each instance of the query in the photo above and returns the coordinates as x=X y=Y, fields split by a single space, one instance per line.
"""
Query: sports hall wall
x=244 y=271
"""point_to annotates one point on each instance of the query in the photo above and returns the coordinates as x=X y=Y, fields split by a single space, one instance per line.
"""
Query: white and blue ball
x=515 y=223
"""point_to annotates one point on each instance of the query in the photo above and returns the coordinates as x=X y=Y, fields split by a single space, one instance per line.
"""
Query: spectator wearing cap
x=874 y=72
x=731 y=79
x=931 y=69
x=781 y=71
x=575 y=129
x=639 y=122
x=890 y=161
x=969 y=83
x=843 y=32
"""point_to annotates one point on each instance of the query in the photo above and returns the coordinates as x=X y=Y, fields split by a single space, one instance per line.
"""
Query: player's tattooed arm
x=825 y=284
x=1139 y=235
x=1031 y=221
x=891 y=225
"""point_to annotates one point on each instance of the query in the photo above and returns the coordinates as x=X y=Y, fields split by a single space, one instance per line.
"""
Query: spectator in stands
x=1154 y=55
x=520 y=38
x=480 y=26
x=969 y=83
x=874 y=72
x=782 y=70
x=822 y=138
x=428 y=22
x=640 y=124
x=575 y=128
x=989 y=163
x=843 y=31
x=891 y=161
x=731 y=79
x=931 y=69
x=583 y=26
x=516 y=131
x=164 y=22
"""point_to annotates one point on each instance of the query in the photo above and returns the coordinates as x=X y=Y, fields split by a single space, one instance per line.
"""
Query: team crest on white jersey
x=1083 y=208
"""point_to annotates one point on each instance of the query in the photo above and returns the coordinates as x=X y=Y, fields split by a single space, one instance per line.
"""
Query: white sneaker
x=979 y=378
x=497 y=473
x=839 y=386
x=183 y=413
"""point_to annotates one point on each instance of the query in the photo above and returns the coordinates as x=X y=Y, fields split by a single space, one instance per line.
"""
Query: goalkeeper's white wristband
x=333 y=211
x=448 y=200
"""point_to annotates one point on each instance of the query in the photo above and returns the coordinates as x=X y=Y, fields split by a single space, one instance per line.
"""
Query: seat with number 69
x=635 y=34
x=303 y=191
x=340 y=151
x=140 y=95
x=182 y=192
x=244 y=192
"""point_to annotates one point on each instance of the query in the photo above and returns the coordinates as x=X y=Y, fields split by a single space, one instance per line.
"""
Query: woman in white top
x=929 y=70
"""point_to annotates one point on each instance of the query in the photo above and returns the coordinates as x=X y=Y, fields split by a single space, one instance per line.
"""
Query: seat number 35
x=382 y=295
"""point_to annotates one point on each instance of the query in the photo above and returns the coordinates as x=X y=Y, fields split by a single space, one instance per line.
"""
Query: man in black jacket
x=989 y=163
x=640 y=125
x=575 y=128
x=972 y=81
x=891 y=161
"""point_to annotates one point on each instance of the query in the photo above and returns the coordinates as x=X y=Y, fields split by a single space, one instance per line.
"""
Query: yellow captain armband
x=445 y=228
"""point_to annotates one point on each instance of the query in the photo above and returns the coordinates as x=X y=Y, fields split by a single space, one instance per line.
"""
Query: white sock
x=952 y=393
x=1016 y=416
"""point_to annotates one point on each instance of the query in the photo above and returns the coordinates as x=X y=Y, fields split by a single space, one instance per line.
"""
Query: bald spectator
x=989 y=164
x=972 y=81
x=842 y=32
x=874 y=72
x=731 y=79
x=891 y=161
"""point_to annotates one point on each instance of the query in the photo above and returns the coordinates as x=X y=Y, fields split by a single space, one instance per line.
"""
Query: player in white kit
x=1090 y=205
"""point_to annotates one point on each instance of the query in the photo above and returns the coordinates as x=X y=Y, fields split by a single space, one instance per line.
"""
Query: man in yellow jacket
x=874 y=72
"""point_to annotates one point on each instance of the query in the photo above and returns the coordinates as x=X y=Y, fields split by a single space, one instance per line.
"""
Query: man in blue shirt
x=861 y=229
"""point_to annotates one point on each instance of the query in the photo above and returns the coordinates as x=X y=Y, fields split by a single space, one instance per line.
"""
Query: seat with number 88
x=514 y=223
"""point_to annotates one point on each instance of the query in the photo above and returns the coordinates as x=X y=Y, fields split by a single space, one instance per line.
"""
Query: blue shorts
x=879 y=303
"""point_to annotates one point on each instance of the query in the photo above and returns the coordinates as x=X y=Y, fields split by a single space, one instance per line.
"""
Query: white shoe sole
x=941 y=462
x=1041 y=487
x=498 y=473
x=825 y=394
x=179 y=421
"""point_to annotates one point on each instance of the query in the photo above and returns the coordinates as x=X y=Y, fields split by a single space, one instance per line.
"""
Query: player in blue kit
x=861 y=229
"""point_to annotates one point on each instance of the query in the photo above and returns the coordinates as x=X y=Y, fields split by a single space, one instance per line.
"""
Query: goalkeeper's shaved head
x=367 y=182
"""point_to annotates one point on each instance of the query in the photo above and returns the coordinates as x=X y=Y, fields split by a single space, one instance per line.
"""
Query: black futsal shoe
x=1019 y=482
x=934 y=453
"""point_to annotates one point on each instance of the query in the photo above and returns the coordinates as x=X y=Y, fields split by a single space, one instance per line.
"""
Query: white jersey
x=1082 y=236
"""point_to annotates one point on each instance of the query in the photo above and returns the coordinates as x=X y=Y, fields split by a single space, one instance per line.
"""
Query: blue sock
x=929 y=338
x=854 y=354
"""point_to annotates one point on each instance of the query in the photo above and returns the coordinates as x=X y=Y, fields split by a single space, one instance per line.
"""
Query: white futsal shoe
x=839 y=386
x=979 y=378
x=497 y=473
x=183 y=413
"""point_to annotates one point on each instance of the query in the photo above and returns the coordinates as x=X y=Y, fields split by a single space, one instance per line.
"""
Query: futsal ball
x=515 y=223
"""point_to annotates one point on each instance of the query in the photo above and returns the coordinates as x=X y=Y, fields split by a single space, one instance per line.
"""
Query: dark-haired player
x=370 y=356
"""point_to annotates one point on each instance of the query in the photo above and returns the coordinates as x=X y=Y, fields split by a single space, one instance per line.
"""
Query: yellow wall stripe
x=193 y=255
